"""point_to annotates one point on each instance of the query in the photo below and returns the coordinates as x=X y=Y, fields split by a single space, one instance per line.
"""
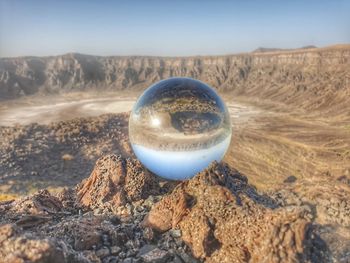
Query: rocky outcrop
x=116 y=181
x=214 y=217
x=307 y=78
x=223 y=219
x=41 y=202
x=17 y=248
x=65 y=227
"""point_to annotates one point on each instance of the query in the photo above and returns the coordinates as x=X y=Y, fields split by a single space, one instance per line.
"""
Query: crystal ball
x=178 y=126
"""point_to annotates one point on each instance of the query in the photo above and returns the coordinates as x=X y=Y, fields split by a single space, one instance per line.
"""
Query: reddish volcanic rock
x=115 y=181
x=223 y=219
x=41 y=202
x=15 y=248
x=217 y=215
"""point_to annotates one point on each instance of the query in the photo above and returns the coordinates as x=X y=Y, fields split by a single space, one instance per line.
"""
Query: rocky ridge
x=217 y=216
x=311 y=78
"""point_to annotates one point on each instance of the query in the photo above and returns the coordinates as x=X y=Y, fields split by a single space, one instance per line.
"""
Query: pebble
x=103 y=252
x=145 y=249
x=175 y=233
x=156 y=255
x=187 y=258
x=110 y=260
x=115 y=250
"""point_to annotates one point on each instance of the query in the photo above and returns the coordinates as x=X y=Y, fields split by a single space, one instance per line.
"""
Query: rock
x=116 y=181
x=145 y=249
x=223 y=219
x=290 y=179
x=187 y=258
x=115 y=250
x=40 y=203
x=176 y=233
x=110 y=260
x=148 y=233
x=214 y=217
x=328 y=203
x=67 y=198
x=25 y=248
x=151 y=253
x=177 y=259
x=103 y=252
x=28 y=221
x=6 y=231
x=86 y=235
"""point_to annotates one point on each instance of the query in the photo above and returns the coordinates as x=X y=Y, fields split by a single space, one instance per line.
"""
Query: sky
x=168 y=28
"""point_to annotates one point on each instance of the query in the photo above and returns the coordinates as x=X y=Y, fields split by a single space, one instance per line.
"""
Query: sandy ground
x=26 y=112
x=304 y=159
x=268 y=144
x=35 y=111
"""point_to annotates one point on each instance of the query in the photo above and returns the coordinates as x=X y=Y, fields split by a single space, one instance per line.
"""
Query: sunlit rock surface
x=216 y=216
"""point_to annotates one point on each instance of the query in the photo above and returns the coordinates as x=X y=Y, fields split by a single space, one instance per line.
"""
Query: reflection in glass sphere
x=178 y=127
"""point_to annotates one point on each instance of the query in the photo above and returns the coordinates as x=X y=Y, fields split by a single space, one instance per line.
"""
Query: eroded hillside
x=311 y=79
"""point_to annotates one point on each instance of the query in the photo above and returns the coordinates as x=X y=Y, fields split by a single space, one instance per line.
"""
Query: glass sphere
x=178 y=126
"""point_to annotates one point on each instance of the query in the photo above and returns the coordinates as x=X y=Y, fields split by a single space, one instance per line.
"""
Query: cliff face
x=310 y=78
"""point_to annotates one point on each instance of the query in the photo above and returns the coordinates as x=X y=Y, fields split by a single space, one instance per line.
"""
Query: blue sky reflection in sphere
x=178 y=127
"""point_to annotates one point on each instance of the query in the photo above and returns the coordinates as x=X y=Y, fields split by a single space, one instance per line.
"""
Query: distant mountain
x=265 y=49
x=309 y=78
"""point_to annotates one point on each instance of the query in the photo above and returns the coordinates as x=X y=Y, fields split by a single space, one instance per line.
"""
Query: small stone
x=128 y=260
x=148 y=233
x=175 y=233
x=105 y=239
x=115 y=250
x=122 y=254
x=129 y=244
x=98 y=211
x=187 y=258
x=155 y=255
x=103 y=252
x=6 y=231
x=149 y=202
x=145 y=249
x=110 y=260
x=115 y=220
x=290 y=179
x=130 y=253
x=86 y=240
x=177 y=259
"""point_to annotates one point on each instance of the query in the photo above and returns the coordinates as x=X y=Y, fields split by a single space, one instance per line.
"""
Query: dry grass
x=271 y=147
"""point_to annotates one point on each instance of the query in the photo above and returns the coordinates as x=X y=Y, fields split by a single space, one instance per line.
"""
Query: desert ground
x=56 y=145
x=281 y=193
x=269 y=144
x=23 y=113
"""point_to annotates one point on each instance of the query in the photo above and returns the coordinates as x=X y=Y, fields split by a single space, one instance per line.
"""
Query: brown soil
x=35 y=156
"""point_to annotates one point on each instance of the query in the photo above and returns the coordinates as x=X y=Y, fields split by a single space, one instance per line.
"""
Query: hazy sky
x=168 y=28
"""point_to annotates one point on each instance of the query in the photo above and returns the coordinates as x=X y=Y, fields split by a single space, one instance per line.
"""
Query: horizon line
x=255 y=51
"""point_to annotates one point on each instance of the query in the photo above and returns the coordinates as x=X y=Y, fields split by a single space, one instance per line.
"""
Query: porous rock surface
x=214 y=217
x=223 y=219
x=26 y=248
x=116 y=180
